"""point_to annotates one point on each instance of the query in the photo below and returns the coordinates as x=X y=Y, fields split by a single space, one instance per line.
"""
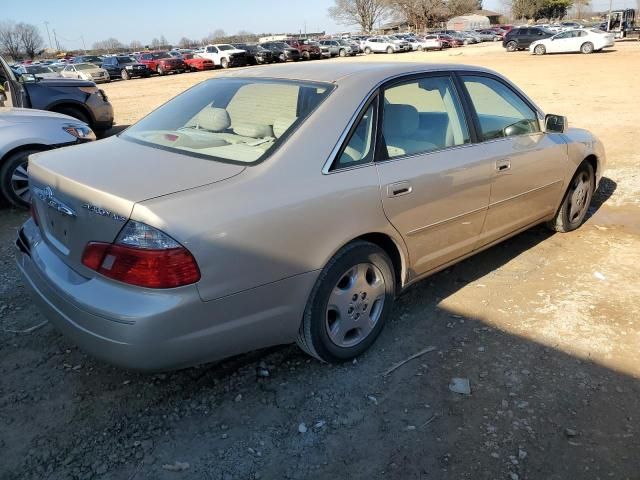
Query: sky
x=143 y=20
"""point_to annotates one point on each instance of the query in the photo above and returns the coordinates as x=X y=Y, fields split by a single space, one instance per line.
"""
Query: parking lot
x=546 y=327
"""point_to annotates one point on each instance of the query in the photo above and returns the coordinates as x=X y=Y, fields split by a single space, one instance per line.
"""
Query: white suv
x=380 y=45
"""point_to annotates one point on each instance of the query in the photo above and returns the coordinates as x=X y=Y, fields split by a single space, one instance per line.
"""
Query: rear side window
x=421 y=116
x=359 y=148
x=501 y=112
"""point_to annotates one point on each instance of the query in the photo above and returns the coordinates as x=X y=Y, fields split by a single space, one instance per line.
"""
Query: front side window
x=227 y=119
x=422 y=116
x=501 y=112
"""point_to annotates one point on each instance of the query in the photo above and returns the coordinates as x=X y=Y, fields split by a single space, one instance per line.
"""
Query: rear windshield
x=230 y=119
x=125 y=60
x=90 y=58
x=85 y=66
x=37 y=69
x=161 y=55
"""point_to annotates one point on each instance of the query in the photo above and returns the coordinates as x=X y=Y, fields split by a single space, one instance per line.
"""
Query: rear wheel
x=14 y=179
x=420 y=48
x=342 y=52
x=389 y=50
x=125 y=75
x=367 y=51
x=540 y=50
x=349 y=303
x=512 y=46
x=587 y=47
x=224 y=63
x=160 y=70
x=575 y=203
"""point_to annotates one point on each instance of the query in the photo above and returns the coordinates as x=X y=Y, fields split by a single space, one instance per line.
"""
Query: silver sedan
x=291 y=203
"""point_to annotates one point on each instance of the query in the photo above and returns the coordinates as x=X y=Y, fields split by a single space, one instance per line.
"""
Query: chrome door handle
x=399 y=188
x=503 y=165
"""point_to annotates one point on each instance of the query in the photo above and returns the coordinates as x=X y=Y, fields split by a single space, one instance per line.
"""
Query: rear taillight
x=143 y=256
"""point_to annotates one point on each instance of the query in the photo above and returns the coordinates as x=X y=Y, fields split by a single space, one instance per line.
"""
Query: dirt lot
x=546 y=328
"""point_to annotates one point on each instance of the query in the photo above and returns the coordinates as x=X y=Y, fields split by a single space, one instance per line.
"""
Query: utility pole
x=84 y=47
x=46 y=24
x=609 y=19
x=56 y=40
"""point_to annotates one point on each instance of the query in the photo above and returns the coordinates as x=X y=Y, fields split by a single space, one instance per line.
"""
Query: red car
x=448 y=41
x=194 y=63
x=162 y=63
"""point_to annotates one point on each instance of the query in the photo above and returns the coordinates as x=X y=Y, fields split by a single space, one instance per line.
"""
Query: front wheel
x=587 y=48
x=14 y=179
x=512 y=46
x=420 y=48
x=125 y=75
x=342 y=52
x=367 y=51
x=539 y=50
x=224 y=63
x=575 y=203
x=349 y=303
x=160 y=70
x=389 y=50
x=306 y=55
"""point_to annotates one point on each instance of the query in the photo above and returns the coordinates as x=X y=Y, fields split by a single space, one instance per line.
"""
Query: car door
x=560 y=43
x=528 y=165
x=434 y=188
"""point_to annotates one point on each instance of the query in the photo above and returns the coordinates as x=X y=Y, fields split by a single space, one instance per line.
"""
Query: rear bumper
x=146 y=329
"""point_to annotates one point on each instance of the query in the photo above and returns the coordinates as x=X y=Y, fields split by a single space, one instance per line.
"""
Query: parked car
x=380 y=44
x=175 y=53
x=488 y=35
x=224 y=55
x=125 y=67
x=324 y=50
x=403 y=45
x=255 y=54
x=94 y=59
x=25 y=131
x=40 y=71
x=448 y=41
x=281 y=51
x=85 y=71
x=161 y=62
x=577 y=40
x=196 y=63
x=336 y=48
x=80 y=99
x=426 y=43
x=139 y=274
x=521 y=38
x=307 y=48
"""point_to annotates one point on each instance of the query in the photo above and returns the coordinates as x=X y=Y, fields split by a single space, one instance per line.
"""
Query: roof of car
x=371 y=72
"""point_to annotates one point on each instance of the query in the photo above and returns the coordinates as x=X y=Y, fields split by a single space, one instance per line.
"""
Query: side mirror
x=555 y=123
x=28 y=78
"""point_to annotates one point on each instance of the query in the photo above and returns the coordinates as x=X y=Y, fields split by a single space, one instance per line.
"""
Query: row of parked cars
x=540 y=40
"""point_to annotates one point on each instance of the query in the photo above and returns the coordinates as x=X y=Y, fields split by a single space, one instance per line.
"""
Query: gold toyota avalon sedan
x=290 y=203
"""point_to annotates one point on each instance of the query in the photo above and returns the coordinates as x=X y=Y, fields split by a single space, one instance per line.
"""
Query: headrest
x=214 y=119
x=400 y=120
x=280 y=125
x=253 y=130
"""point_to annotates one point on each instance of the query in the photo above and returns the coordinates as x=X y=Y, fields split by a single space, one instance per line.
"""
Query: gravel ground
x=544 y=327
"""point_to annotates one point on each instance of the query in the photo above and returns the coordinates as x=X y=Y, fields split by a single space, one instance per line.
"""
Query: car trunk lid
x=86 y=193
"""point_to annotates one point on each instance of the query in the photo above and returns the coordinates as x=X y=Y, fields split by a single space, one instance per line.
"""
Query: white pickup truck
x=224 y=55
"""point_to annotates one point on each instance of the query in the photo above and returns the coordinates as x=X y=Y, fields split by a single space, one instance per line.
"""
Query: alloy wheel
x=20 y=182
x=355 y=305
x=580 y=197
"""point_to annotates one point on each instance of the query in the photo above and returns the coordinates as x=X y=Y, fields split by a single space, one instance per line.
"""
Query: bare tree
x=109 y=45
x=10 y=40
x=136 y=45
x=155 y=43
x=461 y=7
x=186 y=43
x=218 y=34
x=30 y=39
x=364 y=13
x=163 y=42
x=581 y=6
x=421 y=14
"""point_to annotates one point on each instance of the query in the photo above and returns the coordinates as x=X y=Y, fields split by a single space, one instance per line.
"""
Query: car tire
x=512 y=46
x=389 y=50
x=306 y=56
x=125 y=75
x=333 y=334
x=420 y=48
x=342 y=52
x=160 y=70
x=367 y=51
x=576 y=200
x=75 y=113
x=224 y=63
x=540 y=50
x=14 y=178
x=587 y=48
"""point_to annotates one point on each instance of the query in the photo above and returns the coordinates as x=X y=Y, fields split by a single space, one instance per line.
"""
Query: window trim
x=371 y=101
x=472 y=109
x=382 y=156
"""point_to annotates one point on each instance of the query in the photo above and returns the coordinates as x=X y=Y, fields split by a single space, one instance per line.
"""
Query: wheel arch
x=61 y=105
x=593 y=161
x=27 y=146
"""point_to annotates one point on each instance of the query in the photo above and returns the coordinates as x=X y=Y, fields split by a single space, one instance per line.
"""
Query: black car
x=125 y=67
x=281 y=51
x=255 y=54
x=520 y=38
x=80 y=99
x=88 y=59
